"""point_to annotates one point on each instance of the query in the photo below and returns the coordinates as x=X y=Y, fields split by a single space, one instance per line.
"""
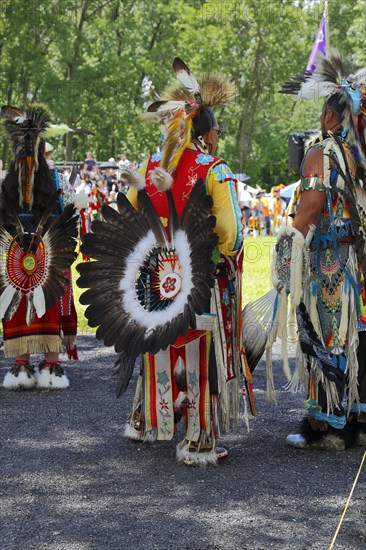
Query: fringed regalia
x=37 y=242
x=333 y=296
x=323 y=273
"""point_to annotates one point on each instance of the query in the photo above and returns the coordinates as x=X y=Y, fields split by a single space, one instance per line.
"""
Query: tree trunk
x=69 y=146
x=5 y=151
x=248 y=115
x=71 y=67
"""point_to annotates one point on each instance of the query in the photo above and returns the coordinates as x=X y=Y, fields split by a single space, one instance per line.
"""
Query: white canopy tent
x=286 y=192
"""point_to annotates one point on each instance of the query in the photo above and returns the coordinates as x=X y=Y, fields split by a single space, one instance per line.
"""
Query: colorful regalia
x=177 y=295
x=37 y=241
x=323 y=272
x=332 y=291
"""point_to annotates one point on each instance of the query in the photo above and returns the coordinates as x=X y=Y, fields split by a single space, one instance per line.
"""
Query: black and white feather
x=123 y=370
x=328 y=78
x=187 y=78
x=145 y=288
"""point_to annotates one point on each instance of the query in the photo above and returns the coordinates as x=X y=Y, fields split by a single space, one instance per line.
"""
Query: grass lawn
x=256 y=279
x=257 y=267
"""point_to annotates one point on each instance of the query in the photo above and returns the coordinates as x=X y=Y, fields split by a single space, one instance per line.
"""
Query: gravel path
x=70 y=481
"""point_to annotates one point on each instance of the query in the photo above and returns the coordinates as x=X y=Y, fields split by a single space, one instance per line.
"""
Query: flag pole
x=327 y=32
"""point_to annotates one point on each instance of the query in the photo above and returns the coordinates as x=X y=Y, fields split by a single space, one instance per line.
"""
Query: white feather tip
x=161 y=179
x=133 y=179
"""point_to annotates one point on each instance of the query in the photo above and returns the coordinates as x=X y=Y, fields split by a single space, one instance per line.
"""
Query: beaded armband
x=312 y=183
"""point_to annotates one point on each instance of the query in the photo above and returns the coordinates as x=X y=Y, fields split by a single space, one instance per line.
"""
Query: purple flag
x=319 y=45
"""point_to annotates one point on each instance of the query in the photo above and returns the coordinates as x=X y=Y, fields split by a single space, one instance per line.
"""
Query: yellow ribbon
x=347 y=503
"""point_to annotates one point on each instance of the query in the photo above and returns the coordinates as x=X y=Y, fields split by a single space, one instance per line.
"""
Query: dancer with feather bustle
x=181 y=307
x=188 y=159
x=37 y=240
x=321 y=261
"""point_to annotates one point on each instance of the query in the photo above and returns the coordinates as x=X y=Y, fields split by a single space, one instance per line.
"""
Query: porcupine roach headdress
x=178 y=109
x=26 y=127
x=332 y=76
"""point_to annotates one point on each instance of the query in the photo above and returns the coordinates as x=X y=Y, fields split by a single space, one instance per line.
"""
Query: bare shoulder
x=313 y=163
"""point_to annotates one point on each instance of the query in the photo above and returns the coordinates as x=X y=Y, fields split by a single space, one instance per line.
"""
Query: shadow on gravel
x=69 y=480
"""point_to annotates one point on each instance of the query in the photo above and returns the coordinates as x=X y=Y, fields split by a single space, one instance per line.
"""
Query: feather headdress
x=26 y=127
x=179 y=105
x=333 y=76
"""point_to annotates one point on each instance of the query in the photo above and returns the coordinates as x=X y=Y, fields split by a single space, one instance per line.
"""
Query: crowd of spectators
x=102 y=183
x=262 y=212
x=96 y=184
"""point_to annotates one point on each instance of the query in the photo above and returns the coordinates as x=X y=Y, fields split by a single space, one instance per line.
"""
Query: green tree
x=98 y=63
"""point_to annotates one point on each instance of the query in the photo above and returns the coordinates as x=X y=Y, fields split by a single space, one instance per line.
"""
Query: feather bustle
x=151 y=216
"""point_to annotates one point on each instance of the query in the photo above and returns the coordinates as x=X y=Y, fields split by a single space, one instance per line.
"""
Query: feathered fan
x=36 y=266
x=145 y=289
x=257 y=324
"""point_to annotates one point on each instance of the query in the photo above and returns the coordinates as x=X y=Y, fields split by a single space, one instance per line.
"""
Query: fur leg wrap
x=51 y=376
x=318 y=435
x=131 y=433
x=21 y=380
x=197 y=457
x=357 y=431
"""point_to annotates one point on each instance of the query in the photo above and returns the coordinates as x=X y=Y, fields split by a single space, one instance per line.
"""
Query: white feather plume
x=133 y=179
x=181 y=399
x=29 y=316
x=171 y=106
x=161 y=179
x=39 y=301
x=6 y=299
x=81 y=200
x=179 y=367
x=185 y=76
x=313 y=88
